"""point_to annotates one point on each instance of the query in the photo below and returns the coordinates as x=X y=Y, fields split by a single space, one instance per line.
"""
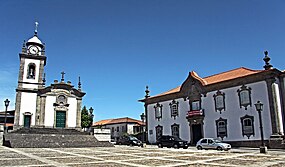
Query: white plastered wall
x=49 y=111
x=72 y=110
x=166 y=121
x=233 y=113
x=28 y=105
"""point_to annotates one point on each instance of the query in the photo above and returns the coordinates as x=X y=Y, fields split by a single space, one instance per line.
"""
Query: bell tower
x=30 y=79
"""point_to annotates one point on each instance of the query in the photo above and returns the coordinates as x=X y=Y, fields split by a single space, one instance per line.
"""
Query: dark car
x=171 y=141
x=129 y=140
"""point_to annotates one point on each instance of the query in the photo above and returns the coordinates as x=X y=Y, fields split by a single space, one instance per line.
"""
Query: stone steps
x=51 y=138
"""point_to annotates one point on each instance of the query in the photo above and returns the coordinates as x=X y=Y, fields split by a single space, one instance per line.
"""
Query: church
x=221 y=106
x=38 y=105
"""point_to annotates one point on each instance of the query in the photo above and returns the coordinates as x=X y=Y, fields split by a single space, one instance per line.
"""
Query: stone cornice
x=261 y=76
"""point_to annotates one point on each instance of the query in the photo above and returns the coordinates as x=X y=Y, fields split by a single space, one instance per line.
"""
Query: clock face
x=33 y=49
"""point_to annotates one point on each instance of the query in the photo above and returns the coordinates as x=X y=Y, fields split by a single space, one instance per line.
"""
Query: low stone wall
x=102 y=134
x=52 y=141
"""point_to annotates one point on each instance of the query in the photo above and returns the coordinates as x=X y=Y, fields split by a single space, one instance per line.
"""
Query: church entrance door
x=60 y=119
x=27 y=121
x=196 y=133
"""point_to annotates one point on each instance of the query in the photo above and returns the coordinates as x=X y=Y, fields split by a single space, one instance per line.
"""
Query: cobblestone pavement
x=124 y=156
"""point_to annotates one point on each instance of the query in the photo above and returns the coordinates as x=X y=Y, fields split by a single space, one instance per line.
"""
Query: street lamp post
x=259 y=108
x=143 y=133
x=5 y=120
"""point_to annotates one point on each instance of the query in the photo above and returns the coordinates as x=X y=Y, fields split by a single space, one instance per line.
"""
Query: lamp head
x=258 y=106
x=6 y=102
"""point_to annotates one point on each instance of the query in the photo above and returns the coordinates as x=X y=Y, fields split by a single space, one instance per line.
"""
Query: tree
x=85 y=118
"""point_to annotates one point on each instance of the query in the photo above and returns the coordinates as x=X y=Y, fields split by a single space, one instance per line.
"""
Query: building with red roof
x=121 y=126
x=221 y=106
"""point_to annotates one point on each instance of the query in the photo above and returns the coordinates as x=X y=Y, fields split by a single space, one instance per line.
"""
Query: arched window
x=159 y=131
x=219 y=99
x=221 y=125
x=247 y=125
x=174 y=108
x=158 y=111
x=244 y=94
x=175 y=130
x=31 y=71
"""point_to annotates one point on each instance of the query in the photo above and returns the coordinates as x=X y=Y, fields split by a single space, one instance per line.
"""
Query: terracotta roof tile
x=224 y=76
x=232 y=74
x=118 y=120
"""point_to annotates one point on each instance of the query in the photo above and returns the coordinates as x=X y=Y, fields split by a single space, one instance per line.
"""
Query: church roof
x=217 y=78
x=35 y=39
x=118 y=121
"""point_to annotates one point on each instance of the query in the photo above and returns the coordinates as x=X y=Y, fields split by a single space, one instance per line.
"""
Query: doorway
x=60 y=119
x=27 y=121
x=196 y=133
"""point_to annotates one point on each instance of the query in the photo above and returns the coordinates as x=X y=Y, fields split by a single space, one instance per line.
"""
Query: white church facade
x=220 y=106
x=38 y=105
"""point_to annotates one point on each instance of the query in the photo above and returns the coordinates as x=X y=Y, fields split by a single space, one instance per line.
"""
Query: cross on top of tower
x=36 y=27
x=62 y=76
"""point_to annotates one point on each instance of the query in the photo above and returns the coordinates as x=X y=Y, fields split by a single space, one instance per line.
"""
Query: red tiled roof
x=117 y=121
x=224 y=76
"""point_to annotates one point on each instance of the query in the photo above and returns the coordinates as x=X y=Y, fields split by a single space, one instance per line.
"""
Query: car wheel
x=185 y=147
x=175 y=146
x=160 y=145
x=219 y=148
x=199 y=147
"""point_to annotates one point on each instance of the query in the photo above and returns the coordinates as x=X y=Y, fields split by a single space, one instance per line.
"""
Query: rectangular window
x=118 y=129
x=244 y=97
x=219 y=102
x=195 y=105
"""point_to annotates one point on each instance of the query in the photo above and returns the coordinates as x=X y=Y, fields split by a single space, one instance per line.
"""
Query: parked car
x=210 y=143
x=171 y=141
x=129 y=140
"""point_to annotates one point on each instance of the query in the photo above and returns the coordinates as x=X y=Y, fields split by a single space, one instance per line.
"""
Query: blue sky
x=120 y=46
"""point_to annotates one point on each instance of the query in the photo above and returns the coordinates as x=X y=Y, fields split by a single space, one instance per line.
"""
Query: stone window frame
x=158 y=131
x=241 y=102
x=218 y=128
x=158 y=111
x=174 y=105
x=31 y=66
x=175 y=132
x=194 y=101
x=216 y=96
x=245 y=128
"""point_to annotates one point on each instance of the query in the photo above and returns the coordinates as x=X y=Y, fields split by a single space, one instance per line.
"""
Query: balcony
x=195 y=113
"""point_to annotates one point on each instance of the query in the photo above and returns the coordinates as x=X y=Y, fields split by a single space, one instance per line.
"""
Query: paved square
x=125 y=156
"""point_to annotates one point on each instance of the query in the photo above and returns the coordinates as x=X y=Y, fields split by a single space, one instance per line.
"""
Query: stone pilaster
x=43 y=108
x=38 y=110
x=273 y=106
x=17 y=110
x=78 y=113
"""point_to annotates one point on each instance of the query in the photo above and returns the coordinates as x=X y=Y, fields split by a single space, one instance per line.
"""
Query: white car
x=210 y=143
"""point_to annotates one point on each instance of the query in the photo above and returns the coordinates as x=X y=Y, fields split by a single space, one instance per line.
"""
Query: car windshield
x=133 y=138
x=217 y=141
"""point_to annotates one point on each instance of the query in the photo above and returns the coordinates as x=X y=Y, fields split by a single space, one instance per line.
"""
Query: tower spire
x=266 y=59
x=79 y=84
x=146 y=92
